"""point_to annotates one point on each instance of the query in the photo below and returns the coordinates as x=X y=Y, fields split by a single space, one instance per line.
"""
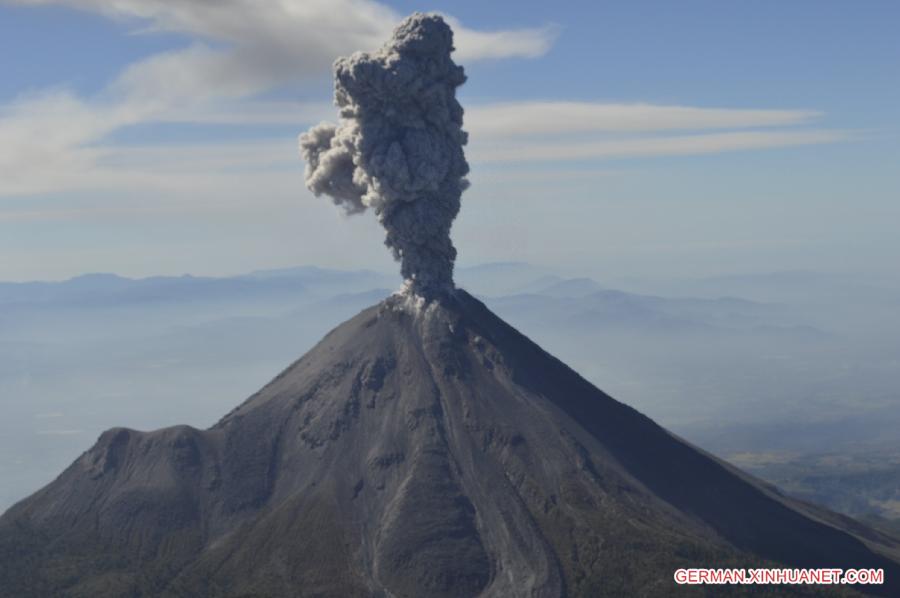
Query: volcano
x=422 y=448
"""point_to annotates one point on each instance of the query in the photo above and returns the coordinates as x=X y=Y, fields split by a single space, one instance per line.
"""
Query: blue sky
x=608 y=138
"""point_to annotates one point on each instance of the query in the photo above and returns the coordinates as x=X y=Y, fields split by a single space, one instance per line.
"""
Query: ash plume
x=398 y=148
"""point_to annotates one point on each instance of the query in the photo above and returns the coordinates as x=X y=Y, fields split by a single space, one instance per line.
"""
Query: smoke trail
x=399 y=147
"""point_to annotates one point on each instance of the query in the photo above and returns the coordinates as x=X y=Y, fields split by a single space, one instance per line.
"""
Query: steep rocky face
x=417 y=450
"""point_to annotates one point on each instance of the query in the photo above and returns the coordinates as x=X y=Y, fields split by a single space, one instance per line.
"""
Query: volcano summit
x=422 y=448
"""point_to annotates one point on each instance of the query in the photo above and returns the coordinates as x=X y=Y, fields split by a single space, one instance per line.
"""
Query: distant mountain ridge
x=109 y=288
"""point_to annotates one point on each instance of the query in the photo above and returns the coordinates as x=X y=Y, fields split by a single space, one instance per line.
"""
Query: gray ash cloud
x=398 y=148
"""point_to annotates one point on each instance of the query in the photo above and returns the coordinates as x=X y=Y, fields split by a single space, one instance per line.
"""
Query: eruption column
x=399 y=147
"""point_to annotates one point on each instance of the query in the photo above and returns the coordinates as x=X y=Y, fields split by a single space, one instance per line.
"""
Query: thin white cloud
x=675 y=145
x=513 y=119
x=43 y=141
x=520 y=43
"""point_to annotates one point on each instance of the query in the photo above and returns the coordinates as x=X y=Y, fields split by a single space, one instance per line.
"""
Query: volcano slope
x=417 y=450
